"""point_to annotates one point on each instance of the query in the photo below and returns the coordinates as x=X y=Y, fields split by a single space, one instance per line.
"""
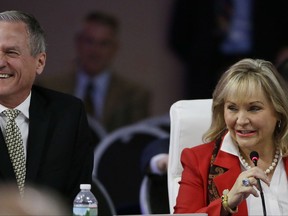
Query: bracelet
x=225 y=205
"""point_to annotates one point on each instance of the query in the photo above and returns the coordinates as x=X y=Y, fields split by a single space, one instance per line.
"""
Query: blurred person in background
x=111 y=99
x=210 y=35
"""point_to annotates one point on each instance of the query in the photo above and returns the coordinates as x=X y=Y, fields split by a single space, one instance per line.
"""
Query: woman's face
x=251 y=121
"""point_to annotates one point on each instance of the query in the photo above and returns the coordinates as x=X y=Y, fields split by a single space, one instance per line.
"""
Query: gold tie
x=15 y=147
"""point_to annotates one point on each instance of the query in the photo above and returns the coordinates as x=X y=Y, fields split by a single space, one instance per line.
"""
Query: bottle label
x=85 y=211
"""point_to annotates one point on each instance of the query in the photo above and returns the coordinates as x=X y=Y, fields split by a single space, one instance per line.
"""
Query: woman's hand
x=240 y=192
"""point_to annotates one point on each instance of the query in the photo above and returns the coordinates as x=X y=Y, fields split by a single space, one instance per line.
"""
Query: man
x=54 y=135
x=113 y=101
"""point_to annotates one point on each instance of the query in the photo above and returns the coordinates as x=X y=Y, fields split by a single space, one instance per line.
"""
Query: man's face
x=18 y=68
x=96 y=47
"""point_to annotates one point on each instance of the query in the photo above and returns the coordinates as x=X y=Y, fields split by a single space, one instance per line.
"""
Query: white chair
x=189 y=120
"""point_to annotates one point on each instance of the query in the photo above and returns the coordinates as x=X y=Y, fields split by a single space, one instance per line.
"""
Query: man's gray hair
x=35 y=32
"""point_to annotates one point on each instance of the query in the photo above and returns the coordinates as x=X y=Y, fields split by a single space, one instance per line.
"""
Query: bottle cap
x=85 y=186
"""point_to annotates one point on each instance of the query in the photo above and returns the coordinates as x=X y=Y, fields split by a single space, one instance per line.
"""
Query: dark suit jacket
x=125 y=103
x=192 y=196
x=156 y=147
x=58 y=148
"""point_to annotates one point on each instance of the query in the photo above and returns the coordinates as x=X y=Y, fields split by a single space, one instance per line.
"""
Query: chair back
x=154 y=195
x=97 y=129
x=160 y=121
x=117 y=164
x=105 y=204
x=189 y=120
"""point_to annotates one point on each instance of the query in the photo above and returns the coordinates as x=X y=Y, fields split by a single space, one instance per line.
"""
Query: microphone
x=254 y=156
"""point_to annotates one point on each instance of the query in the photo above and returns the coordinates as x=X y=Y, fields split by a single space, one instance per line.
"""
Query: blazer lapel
x=285 y=159
x=6 y=168
x=38 y=127
x=112 y=99
x=231 y=163
x=227 y=179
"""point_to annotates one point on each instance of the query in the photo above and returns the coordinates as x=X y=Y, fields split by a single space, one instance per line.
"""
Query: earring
x=279 y=124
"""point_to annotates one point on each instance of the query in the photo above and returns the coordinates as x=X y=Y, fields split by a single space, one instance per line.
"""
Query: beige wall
x=143 y=57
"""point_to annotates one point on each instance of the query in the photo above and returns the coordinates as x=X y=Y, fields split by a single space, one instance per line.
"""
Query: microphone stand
x=262 y=197
x=261 y=192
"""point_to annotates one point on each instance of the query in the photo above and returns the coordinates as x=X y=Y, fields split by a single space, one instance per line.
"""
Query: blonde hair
x=243 y=79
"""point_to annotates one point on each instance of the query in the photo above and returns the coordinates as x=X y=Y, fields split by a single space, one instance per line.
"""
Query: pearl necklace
x=270 y=168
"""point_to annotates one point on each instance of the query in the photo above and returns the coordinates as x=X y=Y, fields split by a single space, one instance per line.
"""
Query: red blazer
x=193 y=191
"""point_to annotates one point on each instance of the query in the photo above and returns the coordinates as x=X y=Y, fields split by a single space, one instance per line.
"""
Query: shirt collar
x=229 y=146
x=23 y=107
x=100 y=81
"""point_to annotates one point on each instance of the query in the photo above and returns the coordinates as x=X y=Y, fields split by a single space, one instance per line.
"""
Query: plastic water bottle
x=85 y=203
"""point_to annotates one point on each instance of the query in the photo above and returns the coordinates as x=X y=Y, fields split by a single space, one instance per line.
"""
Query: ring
x=246 y=182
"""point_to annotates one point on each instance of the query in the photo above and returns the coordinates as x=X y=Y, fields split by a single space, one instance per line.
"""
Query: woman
x=250 y=113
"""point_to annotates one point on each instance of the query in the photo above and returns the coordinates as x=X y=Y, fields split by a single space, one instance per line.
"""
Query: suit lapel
x=285 y=159
x=38 y=127
x=6 y=168
x=112 y=98
x=231 y=163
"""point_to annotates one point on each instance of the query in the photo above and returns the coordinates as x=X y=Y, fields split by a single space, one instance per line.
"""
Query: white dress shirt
x=153 y=164
x=22 y=120
x=100 y=87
